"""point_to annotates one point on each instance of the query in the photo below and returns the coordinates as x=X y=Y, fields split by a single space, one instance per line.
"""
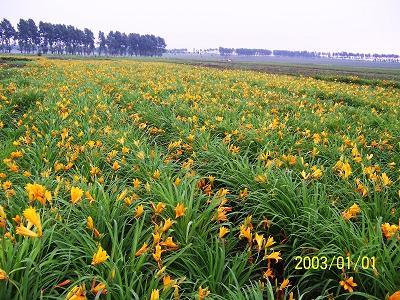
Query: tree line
x=66 y=39
x=258 y=52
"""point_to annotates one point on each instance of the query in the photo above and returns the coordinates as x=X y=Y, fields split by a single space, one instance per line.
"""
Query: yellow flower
x=386 y=180
x=156 y=174
x=245 y=232
x=317 y=173
x=168 y=282
x=274 y=255
x=38 y=192
x=2 y=213
x=90 y=226
x=76 y=194
x=7 y=185
x=155 y=295
x=344 y=169
x=177 y=181
x=116 y=166
x=223 y=231
x=180 y=210
x=363 y=190
x=352 y=212
x=270 y=242
x=77 y=292
x=157 y=253
x=22 y=230
x=33 y=217
x=261 y=178
x=100 y=256
x=159 y=208
x=94 y=171
x=156 y=236
x=139 y=210
x=348 y=284
x=140 y=155
x=259 y=238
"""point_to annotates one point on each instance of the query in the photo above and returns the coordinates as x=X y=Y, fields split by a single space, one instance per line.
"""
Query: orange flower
x=169 y=243
x=78 y=292
x=203 y=293
x=38 y=192
x=284 y=284
x=159 y=208
x=116 y=166
x=180 y=210
x=395 y=296
x=352 y=212
x=3 y=275
x=245 y=232
x=157 y=253
x=142 y=250
x=389 y=230
x=167 y=281
x=139 y=210
x=136 y=183
x=100 y=287
x=156 y=174
x=348 y=284
x=223 y=231
x=167 y=225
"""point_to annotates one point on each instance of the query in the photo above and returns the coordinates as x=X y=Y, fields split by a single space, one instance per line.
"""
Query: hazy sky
x=353 y=25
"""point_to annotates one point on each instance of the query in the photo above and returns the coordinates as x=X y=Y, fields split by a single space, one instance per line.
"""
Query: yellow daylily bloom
x=76 y=194
x=100 y=256
x=180 y=210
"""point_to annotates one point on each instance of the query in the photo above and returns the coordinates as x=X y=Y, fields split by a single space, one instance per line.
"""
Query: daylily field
x=124 y=179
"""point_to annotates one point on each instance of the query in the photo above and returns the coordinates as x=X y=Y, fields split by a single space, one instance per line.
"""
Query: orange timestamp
x=335 y=262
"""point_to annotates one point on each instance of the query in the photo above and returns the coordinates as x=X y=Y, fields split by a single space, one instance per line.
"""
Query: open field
x=124 y=179
x=361 y=72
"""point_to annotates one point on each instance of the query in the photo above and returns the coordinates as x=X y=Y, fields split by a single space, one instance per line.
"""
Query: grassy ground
x=128 y=179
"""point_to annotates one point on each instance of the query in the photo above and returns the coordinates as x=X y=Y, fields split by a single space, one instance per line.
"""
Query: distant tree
x=23 y=35
x=133 y=44
x=7 y=34
x=161 y=45
x=88 y=41
x=34 y=38
x=102 y=43
x=45 y=34
x=225 y=51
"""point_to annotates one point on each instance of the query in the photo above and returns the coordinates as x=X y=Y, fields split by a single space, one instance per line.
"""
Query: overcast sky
x=352 y=25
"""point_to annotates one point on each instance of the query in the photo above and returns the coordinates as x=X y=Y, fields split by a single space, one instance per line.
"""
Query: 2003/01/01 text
x=336 y=262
